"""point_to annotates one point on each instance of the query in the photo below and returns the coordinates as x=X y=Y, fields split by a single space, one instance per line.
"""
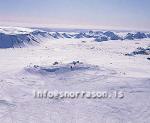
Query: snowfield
x=75 y=62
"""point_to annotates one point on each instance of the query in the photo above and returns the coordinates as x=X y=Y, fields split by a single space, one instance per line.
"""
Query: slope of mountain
x=20 y=37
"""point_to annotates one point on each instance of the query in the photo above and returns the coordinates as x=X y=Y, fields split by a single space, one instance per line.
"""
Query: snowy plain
x=117 y=72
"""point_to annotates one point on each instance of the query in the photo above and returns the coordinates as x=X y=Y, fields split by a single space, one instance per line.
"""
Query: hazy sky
x=113 y=14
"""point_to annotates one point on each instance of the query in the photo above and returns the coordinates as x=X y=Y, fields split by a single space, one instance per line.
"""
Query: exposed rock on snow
x=138 y=35
x=56 y=35
x=112 y=35
x=148 y=35
x=80 y=35
x=101 y=38
x=129 y=36
x=140 y=51
x=40 y=33
x=148 y=58
x=66 y=35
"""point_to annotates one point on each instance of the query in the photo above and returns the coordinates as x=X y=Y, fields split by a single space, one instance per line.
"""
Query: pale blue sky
x=116 y=14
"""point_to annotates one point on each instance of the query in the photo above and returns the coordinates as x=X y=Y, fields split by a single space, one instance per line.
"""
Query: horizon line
x=72 y=27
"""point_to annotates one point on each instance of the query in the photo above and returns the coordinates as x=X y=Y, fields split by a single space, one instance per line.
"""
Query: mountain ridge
x=11 y=37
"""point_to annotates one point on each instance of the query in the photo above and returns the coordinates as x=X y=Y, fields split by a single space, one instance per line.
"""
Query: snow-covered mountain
x=19 y=37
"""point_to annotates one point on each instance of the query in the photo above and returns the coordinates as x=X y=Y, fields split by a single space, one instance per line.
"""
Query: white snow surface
x=103 y=67
x=15 y=30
